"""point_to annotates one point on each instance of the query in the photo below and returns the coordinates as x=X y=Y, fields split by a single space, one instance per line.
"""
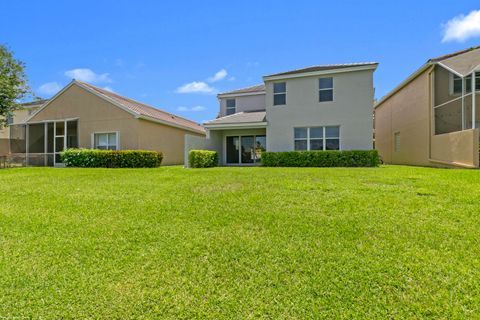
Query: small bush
x=202 y=158
x=92 y=158
x=354 y=158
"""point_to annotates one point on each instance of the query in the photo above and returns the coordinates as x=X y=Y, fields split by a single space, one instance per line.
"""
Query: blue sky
x=158 y=52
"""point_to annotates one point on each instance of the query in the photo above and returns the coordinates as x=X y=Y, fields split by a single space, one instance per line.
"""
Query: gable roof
x=324 y=67
x=138 y=109
x=259 y=88
x=461 y=63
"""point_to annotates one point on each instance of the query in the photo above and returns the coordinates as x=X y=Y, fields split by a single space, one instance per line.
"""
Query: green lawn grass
x=389 y=242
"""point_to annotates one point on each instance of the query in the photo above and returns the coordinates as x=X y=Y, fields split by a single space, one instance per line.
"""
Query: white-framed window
x=317 y=138
x=325 y=87
x=231 y=106
x=279 y=93
x=105 y=140
x=397 y=141
x=456 y=83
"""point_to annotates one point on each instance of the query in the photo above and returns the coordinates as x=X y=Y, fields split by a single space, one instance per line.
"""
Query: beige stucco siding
x=4 y=146
x=169 y=140
x=406 y=112
x=458 y=148
x=97 y=115
x=94 y=115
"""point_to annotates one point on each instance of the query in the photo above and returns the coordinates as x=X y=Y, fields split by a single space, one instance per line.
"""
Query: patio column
x=474 y=101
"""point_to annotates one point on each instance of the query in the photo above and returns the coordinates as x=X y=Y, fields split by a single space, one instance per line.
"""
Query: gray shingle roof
x=253 y=89
x=323 y=68
x=240 y=117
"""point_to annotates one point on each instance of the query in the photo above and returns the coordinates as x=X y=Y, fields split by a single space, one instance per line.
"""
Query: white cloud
x=220 y=75
x=87 y=75
x=108 y=89
x=49 y=88
x=196 y=87
x=192 y=109
x=462 y=27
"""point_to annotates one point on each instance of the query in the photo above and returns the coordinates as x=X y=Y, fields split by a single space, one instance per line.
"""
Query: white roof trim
x=242 y=125
x=319 y=73
x=450 y=69
x=232 y=95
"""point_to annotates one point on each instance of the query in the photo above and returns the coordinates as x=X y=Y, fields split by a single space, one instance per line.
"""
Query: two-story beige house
x=326 y=107
x=433 y=117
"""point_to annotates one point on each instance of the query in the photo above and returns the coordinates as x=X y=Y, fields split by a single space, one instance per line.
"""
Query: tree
x=13 y=83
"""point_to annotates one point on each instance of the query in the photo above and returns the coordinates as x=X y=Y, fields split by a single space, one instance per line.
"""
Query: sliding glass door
x=245 y=149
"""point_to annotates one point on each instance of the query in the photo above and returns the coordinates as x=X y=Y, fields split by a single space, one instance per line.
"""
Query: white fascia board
x=234 y=95
x=451 y=70
x=319 y=73
x=245 y=125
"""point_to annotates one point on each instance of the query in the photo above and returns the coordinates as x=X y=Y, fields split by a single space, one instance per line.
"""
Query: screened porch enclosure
x=456 y=105
x=46 y=140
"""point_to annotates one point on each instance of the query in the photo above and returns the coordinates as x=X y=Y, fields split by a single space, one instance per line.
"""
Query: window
x=325 y=89
x=231 y=106
x=397 y=141
x=317 y=138
x=9 y=119
x=457 y=83
x=105 y=141
x=279 y=93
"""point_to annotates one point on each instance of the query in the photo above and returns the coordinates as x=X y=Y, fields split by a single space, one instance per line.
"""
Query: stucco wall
x=94 y=115
x=244 y=103
x=4 y=146
x=98 y=115
x=19 y=116
x=406 y=112
x=458 y=148
x=351 y=109
x=169 y=140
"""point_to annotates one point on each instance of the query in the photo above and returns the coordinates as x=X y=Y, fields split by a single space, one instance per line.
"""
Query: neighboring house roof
x=34 y=104
x=240 y=118
x=136 y=108
x=324 y=67
x=259 y=88
x=461 y=63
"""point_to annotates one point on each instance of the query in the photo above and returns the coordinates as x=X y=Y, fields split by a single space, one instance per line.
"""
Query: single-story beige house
x=84 y=116
x=433 y=117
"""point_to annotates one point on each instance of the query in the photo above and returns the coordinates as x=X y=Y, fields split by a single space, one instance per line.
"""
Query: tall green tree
x=13 y=83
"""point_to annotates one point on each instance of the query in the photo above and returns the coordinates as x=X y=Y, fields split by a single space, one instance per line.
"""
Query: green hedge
x=202 y=159
x=92 y=158
x=354 y=158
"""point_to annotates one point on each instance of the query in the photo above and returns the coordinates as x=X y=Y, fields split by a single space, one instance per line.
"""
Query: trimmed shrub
x=354 y=158
x=202 y=158
x=93 y=158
